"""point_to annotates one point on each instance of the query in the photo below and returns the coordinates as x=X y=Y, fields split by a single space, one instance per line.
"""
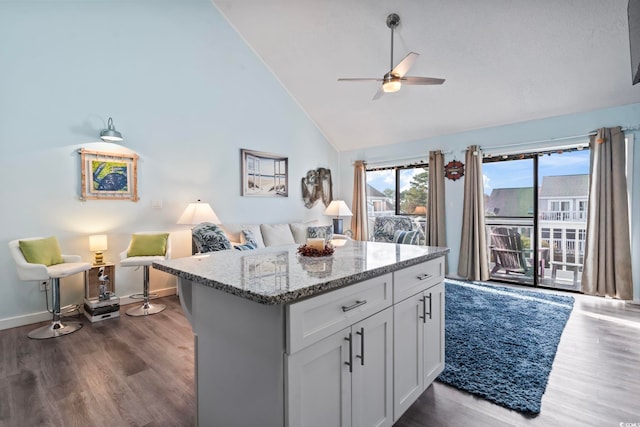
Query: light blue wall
x=187 y=94
x=536 y=130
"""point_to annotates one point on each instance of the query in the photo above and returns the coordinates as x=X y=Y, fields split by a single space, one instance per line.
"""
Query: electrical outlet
x=44 y=286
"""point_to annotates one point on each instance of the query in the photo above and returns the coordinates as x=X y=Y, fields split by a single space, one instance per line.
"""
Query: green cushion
x=148 y=244
x=41 y=251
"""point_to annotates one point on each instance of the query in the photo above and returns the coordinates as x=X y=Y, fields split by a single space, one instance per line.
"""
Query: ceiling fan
x=394 y=79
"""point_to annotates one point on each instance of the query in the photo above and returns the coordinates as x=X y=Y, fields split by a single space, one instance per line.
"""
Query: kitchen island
x=286 y=340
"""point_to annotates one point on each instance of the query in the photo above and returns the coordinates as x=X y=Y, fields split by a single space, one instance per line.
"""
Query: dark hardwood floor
x=126 y=371
x=139 y=372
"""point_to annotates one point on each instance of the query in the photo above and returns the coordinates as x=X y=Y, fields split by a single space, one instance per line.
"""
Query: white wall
x=186 y=93
x=556 y=127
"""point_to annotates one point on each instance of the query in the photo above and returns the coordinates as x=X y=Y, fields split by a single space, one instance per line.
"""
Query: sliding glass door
x=535 y=213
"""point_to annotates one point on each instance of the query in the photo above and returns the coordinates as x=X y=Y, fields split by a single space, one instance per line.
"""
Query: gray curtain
x=607 y=261
x=473 y=263
x=359 y=220
x=436 y=234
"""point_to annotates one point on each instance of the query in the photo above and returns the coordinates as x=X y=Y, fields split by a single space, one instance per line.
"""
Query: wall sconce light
x=110 y=134
x=337 y=208
x=97 y=244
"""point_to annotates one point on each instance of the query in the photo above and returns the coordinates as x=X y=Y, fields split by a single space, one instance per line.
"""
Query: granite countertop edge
x=302 y=293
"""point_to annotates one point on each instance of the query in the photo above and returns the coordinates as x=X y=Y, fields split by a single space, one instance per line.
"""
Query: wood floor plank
x=133 y=371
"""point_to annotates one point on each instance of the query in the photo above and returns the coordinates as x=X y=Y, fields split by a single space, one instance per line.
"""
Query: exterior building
x=562 y=216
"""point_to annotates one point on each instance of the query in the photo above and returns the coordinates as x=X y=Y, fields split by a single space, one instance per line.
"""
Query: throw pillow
x=321 y=232
x=277 y=234
x=148 y=245
x=41 y=251
x=249 y=238
x=245 y=247
x=299 y=230
x=255 y=229
x=406 y=237
x=208 y=237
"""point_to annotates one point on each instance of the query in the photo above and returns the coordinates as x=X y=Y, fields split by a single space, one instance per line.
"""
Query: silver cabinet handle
x=425 y=314
x=423 y=276
x=350 y=362
x=424 y=310
x=361 y=356
x=356 y=304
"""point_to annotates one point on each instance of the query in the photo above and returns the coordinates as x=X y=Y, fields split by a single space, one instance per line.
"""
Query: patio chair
x=507 y=251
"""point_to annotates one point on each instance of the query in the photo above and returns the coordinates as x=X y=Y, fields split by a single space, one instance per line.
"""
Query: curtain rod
x=562 y=138
x=424 y=159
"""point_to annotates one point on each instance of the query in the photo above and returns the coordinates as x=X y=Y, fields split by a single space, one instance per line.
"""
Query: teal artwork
x=109 y=176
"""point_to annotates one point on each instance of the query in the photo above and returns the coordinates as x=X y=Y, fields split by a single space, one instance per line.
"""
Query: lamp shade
x=420 y=210
x=110 y=134
x=98 y=242
x=338 y=208
x=197 y=213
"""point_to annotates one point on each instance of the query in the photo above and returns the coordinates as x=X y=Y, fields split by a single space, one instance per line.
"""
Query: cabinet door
x=319 y=383
x=407 y=353
x=433 y=334
x=371 y=382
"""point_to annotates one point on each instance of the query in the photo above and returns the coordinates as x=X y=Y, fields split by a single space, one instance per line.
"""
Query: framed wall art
x=264 y=174
x=109 y=176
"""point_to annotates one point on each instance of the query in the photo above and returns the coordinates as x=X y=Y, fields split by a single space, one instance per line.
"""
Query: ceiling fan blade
x=403 y=66
x=378 y=94
x=360 y=80
x=421 y=81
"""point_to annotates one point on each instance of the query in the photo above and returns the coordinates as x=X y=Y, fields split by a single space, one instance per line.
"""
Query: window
x=398 y=190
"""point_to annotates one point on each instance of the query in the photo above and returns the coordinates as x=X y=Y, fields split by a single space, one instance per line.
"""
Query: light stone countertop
x=278 y=275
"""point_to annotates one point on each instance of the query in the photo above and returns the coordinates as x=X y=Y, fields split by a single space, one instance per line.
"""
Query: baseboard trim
x=42 y=316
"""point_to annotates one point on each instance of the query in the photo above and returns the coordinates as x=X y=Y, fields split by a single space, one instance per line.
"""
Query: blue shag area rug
x=500 y=342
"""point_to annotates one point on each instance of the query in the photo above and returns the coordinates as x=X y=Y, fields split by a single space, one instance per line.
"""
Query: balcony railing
x=577 y=216
x=559 y=260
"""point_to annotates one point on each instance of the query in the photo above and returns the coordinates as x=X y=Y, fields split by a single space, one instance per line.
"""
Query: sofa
x=209 y=237
x=395 y=229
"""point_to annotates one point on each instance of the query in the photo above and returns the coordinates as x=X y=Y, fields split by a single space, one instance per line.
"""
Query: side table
x=96 y=309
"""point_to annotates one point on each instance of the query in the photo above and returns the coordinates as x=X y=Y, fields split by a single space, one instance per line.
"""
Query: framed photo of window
x=109 y=176
x=264 y=174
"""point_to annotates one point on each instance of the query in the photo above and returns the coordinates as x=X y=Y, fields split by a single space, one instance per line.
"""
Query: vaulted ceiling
x=504 y=61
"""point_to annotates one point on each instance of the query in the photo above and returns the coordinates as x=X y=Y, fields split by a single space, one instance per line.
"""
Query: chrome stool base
x=55 y=329
x=146 y=309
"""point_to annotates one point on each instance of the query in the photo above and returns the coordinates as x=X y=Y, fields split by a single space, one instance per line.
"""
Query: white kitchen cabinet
x=433 y=333
x=274 y=354
x=344 y=379
x=418 y=328
x=319 y=384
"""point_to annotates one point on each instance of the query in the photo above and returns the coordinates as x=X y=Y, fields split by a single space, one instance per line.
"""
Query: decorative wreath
x=454 y=170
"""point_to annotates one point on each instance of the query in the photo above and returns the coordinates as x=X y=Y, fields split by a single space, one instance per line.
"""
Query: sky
x=386 y=178
x=510 y=174
x=519 y=173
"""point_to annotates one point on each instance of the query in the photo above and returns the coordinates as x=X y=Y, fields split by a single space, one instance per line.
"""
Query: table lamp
x=420 y=210
x=337 y=208
x=198 y=212
x=97 y=244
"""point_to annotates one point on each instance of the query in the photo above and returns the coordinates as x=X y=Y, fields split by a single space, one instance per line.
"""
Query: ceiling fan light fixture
x=391 y=86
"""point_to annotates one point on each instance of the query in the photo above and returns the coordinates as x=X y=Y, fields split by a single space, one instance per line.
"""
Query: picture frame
x=264 y=174
x=108 y=176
